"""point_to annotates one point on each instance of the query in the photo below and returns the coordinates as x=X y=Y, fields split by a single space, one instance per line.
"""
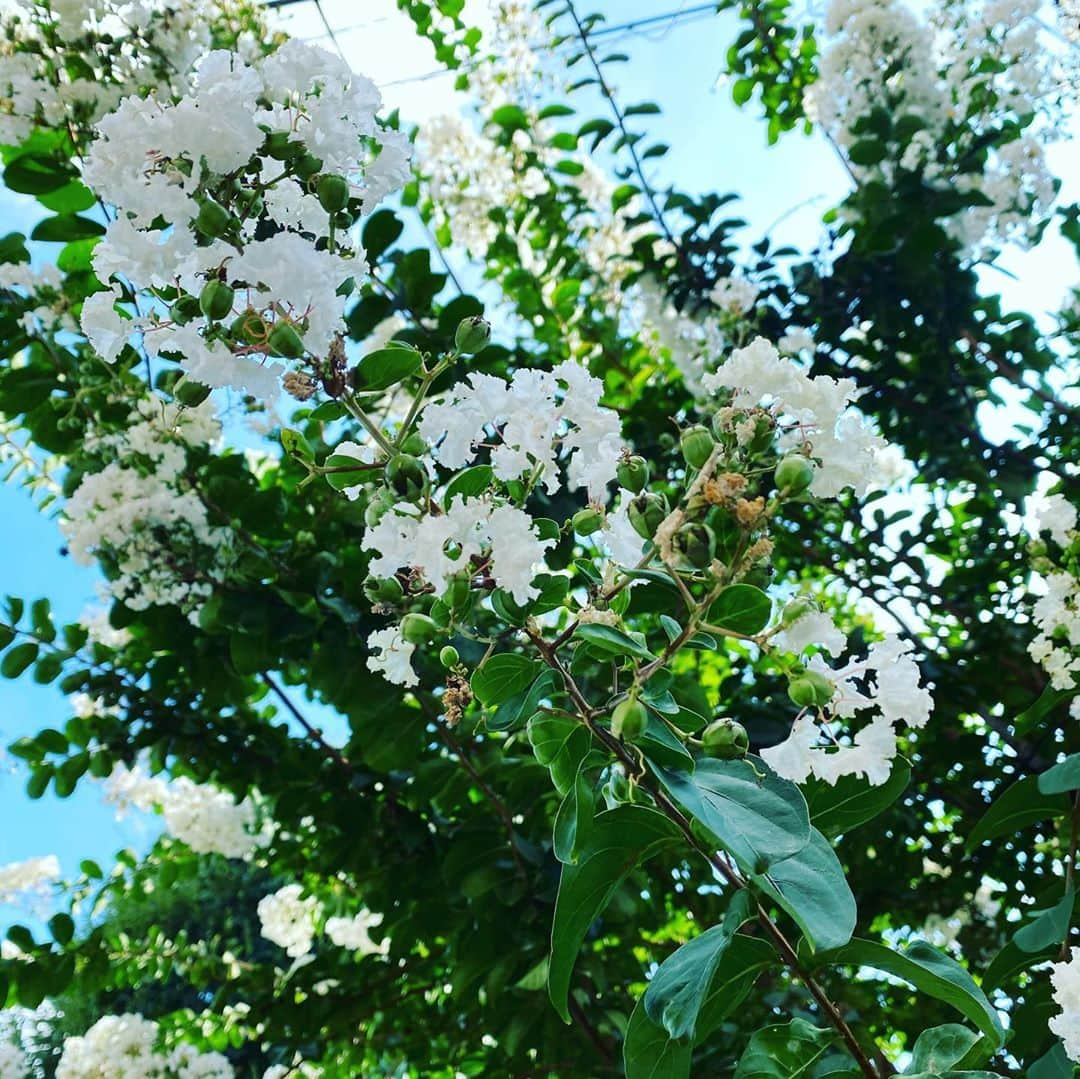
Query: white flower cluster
x=14 y=1063
x=955 y=76
x=193 y=182
x=887 y=680
x=734 y=295
x=290 y=919
x=141 y=513
x=33 y=876
x=45 y=306
x=1056 y=612
x=813 y=411
x=1065 y=978
x=125 y=1047
x=208 y=820
x=535 y=416
x=120 y=47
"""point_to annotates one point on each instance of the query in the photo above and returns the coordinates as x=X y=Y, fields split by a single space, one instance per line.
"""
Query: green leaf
x=678 y=990
x=574 y=820
x=68 y=199
x=468 y=483
x=759 y=821
x=34 y=174
x=350 y=474
x=62 y=928
x=1064 y=776
x=1046 y=702
x=296 y=445
x=63 y=228
x=741 y=608
x=380 y=231
x=502 y=676
x=836 y=809
x=785 y=1051
x=1052 y=1065
x=522 y=706
x=866 y=152
x=1018 y=807
x=812 y=888
x=1050 y=927
x=17 y=659
x=931 y=972
x=648 y=1052
x=612 y=641
x=941 y=1048
x=560 y=744
x=387 y=366
x=621 y=838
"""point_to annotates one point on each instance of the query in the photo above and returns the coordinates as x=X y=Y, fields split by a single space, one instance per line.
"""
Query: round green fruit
x=725 y=739
x=629 y=720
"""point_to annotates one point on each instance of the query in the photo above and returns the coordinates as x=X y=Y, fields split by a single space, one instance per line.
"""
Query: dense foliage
x=709 y=670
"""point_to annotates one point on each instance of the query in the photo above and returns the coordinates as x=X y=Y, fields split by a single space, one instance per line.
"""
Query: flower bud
x=406 y=476
x=213 y=219
x=472 y=334
x=306 y=165
x=696 y=444
x=695 y=543
x=386 y=590
x=249 y=327
x=279 y=147
x=440 y=614
x=458 y=592
x=646 y=512
x=333 y=193
x=285 y=341
x=418 y=628
x=629 y=720
x=449 y=657
x=811 y=690
x=587 y=521
x=633 y=473
x=184 y=310
x=725 y=739
x=794 y=474
x=216 y=300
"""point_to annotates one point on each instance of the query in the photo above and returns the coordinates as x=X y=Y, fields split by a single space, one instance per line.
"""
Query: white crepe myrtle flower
x=887 y=681
x=537 y=417
x=1058 y=516
x=391 y=656
x=1065 y=978
x=33 y=876
x=813 y=410
x=354 y=933
x=14 y=1063
x=810 y=629
x=796 y=339
x=288 y=919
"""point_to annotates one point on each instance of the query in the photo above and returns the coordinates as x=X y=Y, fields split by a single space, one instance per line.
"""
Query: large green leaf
x=795 y=1050
x=945 y=1047
x=678 y=990
x=840 y=807
x=1021 y=805
x=1063 y=777
x=573 y=822
x=648 y=1052
x=741 y=608
x=756 y=816
x=930 y=971
x=1052 y=1065
x=502 y=676
x=1051 y=926
x=382 y=368
x=612 y=641
x=812 y=888
x=621 y=838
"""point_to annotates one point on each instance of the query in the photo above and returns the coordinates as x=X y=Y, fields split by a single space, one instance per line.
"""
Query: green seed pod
x=191 y=393
x=811 y=690
x=633 y=474
x=285 y=341
x=472 y=335
x=629 y=720
x=216 y=300
x=725 y=739
x=440 y=614
x=386 y=590
x=343 y=220
x=449 y=657
x=406 y=476
x=458 y=594
x=212 y=219
x=333 y=193
x=696 y=444
x=418 y=628
x=794 y=474
x=695 y=543
x=587 y=521
x=414 y=445
x=795 y=609
x=184 y=310
x=249 y=327
x=306 y=165
x=279 y=147
x=646 y=512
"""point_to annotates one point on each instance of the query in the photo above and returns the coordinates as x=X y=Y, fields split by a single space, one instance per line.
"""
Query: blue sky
x=714 y=147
